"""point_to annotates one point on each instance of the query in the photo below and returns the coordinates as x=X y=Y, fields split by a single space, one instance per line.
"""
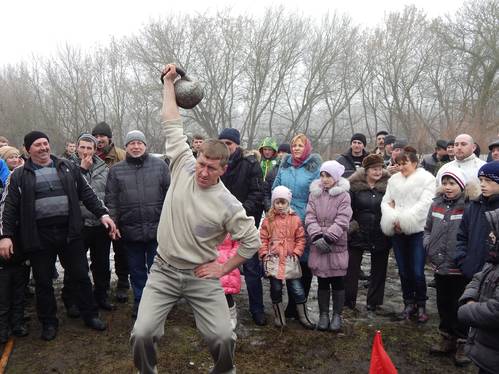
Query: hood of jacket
x=268 y=142
x=343 y=185
x=358 y=181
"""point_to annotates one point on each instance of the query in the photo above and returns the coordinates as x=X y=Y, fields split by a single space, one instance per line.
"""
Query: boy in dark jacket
x=471 y=249
x=480 y=306
x=442 y=224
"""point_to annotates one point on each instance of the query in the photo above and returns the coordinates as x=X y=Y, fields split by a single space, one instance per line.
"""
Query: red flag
x=380 y=361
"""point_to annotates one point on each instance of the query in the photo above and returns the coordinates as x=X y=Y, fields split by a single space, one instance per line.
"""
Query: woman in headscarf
x=296 y=172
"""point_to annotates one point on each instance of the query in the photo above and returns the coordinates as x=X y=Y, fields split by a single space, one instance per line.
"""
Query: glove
x=322 y=246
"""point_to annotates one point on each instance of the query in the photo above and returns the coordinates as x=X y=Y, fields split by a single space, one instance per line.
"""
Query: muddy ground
x=259 y=349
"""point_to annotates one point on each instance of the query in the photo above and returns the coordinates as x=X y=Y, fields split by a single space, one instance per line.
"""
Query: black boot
x=338 y=302
x=323 y=297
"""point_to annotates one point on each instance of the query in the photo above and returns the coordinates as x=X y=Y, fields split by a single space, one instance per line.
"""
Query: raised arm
x=169 y=110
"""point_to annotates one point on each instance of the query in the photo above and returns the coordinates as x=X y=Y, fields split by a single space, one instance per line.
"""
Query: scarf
x=297 y=162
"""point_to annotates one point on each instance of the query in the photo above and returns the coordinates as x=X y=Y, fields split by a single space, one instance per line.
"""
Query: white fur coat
x=412 y=196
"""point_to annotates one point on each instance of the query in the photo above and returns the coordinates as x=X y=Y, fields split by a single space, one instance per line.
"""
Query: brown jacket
x=113 y=156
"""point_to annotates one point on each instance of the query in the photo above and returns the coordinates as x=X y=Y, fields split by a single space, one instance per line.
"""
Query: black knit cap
x=102 y=128
x=284 y=147
x=31 y=137
x=360 y=137
x=382 y=132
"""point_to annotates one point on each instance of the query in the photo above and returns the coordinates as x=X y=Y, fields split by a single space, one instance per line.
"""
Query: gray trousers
x=165 y=286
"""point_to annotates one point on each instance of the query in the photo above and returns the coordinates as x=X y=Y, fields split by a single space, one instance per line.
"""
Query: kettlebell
x=188 y=92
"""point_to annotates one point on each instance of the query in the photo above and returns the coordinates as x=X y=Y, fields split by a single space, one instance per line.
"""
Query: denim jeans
x=294 y=286
x=140 y=258
x=252 y=270
x=410 y=256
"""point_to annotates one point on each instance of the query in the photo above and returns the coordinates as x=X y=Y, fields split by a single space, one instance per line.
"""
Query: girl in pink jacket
x=230 y=282
x=282 y=234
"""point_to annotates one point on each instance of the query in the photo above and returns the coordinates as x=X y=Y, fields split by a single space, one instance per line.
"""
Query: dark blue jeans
x=410 y=256
x=253 y=273
x=294 y=286
x=140 y=258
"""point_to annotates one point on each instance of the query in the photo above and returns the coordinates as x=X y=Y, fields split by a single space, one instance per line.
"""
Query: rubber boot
x=323 y=297
x=421 y=314
x=279 y=318
x=338 y=302
x=460 y=358
x=408 y=312
x=301 y=310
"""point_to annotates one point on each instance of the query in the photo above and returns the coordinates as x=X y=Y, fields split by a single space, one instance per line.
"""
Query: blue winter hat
x=490 y=170
x=230 y=134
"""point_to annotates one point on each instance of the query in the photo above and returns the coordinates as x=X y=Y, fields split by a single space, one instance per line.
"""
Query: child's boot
x=280 y=319
x=233 y=316
x=338 y=302
x=301 y=309
x=323 y=296
x=460 y=358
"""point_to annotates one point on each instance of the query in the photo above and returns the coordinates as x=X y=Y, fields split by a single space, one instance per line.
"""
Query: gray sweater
x=195 y=220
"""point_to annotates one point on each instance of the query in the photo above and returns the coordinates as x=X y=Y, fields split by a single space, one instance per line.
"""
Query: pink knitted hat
x=281 y=192
x=334 y=169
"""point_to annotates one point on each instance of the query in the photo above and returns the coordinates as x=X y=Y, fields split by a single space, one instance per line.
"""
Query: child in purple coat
x=327 y=220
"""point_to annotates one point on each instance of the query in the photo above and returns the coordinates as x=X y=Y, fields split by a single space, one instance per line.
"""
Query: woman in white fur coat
x=404 y=208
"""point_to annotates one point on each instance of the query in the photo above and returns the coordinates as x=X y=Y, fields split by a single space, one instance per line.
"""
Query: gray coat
x=96 y=177
x=135 y=191
x=483 y=317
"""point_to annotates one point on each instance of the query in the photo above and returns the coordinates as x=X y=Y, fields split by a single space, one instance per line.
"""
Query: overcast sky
x=41 y=26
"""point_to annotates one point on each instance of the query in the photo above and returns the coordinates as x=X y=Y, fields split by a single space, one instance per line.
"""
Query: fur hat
x=334 y=169
x=102 y=128
x=281 y=192
x=360 y=137
x=371 y=161
x=456 y=174
x=135 y=135
x=230 y=134
x=31 y=137
x=490 y=170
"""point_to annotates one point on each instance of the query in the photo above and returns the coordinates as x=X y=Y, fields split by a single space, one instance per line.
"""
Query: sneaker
x=408 y=312
x=233 y=316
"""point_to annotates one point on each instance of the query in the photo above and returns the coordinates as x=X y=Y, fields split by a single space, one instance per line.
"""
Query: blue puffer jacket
x=298 y=180
x=472 y=236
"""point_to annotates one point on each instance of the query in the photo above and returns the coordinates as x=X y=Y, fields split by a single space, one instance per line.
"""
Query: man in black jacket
x=244 y=180
x=352 y=158
x=135 y=192
x=41 y=211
